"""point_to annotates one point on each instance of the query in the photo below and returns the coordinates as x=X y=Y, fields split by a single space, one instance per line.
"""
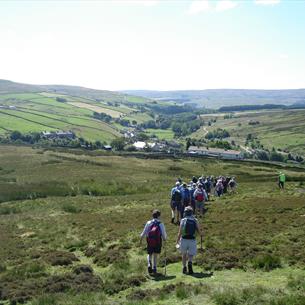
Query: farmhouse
x=216 y=152
x=156 y=147
x=58 y=134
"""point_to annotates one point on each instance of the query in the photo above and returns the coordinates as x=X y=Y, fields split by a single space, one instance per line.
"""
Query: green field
x=282 y=129
x=163 y=134
x=70 y=222
x=38 y=112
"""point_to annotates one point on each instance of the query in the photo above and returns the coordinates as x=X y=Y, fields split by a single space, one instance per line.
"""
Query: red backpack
x=154 y=235
x=199 y=196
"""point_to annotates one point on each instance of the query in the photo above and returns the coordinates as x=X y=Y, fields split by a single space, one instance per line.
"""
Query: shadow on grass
x=161 y=277
x=201 y=275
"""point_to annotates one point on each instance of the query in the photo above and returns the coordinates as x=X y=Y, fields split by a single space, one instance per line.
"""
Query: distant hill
x=215 y=98
x=7 y=87
x=95 y=115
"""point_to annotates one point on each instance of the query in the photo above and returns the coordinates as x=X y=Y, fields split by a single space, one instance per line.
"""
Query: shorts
x=199 y=204
x=176 y=205
x=151 y=250
x=188 y=246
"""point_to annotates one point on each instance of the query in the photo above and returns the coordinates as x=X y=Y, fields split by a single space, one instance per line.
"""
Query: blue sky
x=162 y=45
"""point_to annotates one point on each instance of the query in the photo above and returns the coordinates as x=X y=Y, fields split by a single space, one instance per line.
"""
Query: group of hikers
x=197 y=192
x=187 y=201
x=155 y=233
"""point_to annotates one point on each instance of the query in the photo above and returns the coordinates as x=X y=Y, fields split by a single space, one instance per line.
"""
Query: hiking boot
x=173 y=220
x=184 y=270
x=190 y=267
x=149 y=269
x=154 y=270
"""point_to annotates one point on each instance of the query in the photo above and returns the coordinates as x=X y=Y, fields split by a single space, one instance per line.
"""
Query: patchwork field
x=70 y=224
x=282 y=129
x=33 y=112
x=112 y=113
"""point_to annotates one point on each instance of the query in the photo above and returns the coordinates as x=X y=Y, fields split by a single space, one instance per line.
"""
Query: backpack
x=154 y=235
x=232 y=183
x=177 y=196
x=186 y=193
x=189 y=228
x=199 y=196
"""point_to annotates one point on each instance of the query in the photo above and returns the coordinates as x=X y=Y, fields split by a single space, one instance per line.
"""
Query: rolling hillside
x=281 y=129
x=35 y=108
x=215 y=98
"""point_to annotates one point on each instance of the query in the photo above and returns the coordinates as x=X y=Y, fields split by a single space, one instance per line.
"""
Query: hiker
x=200 y=198
x=176 y=202
x=232 y=184
x=186 y=239
x=194 y=179
x=186 y=195
x=282 y=180
x=154 y=231
x=207 y=187
x=193 y=202
x=225 y=183
x=219 y=187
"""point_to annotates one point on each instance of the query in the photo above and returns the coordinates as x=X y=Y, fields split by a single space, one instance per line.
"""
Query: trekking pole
x=165 y=259
x=201 y=248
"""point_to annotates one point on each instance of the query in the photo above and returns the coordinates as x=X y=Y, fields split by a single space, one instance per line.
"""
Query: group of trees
x=181 y=124
x=276 y=156
x=61 y=99
x=37 y=138
x=102 y=117
x=217 y=134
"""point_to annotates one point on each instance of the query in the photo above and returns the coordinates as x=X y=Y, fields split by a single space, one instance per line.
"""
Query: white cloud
x=267 y=2
x=224 y=5
x=198 y=7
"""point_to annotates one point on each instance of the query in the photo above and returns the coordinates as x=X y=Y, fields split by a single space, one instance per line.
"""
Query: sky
x=156 y=45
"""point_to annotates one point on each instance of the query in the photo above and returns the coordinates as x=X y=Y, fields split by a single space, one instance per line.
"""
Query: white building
x=216 y=152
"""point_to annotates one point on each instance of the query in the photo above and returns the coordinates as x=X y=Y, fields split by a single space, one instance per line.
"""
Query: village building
x=216 y=152
x=58 y=134
x=107 y=147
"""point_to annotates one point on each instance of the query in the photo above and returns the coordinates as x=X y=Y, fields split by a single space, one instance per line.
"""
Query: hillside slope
x=215 y=98
x=74 y=238
x=36 y=108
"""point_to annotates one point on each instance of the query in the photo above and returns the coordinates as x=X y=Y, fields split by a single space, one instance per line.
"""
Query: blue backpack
x=177 y=196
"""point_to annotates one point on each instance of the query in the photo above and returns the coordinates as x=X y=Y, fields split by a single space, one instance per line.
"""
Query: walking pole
x=201 y=248
x=165 y=259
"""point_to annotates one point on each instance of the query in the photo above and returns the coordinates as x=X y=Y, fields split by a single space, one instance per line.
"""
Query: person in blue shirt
x=176 y=202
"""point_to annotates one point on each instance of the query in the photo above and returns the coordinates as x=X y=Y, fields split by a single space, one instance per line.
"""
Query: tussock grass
x=92 y=216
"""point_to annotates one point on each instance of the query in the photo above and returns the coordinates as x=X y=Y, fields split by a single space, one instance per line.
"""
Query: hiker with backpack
x=219 y=188
x=176 y=202
x=232 y=184
x=186 y=195
x=186 y=239
x=154 y=231
x=200 y=198
x=192 y=191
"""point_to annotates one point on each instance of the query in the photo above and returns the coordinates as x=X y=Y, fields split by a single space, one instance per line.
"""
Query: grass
x=77 y=240
x=37 y=112
x=166 y=134
x=280 y=129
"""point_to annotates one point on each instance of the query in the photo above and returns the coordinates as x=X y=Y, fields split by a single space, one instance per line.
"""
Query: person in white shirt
x=186 y=239
x=155 y=233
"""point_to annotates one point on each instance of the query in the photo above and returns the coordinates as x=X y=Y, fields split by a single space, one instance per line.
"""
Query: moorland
x=70 y=222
